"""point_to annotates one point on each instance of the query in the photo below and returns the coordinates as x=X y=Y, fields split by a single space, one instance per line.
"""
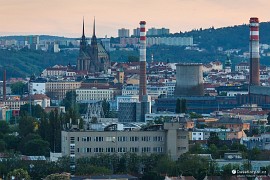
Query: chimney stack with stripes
x=142 y=90
x=254 y=78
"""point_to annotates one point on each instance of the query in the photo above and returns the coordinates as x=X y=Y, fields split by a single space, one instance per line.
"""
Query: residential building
x=57 y=89
x=123 y=32
x=96 y=94
x=234 y=123
x=243 y=66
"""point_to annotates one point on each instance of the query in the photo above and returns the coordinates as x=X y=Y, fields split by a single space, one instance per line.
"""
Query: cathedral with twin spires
x=92 y=57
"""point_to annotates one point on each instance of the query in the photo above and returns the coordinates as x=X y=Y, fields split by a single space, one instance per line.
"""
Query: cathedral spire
x=83 y=28
x=94 y=27
x=83 y=40
x=94 y=38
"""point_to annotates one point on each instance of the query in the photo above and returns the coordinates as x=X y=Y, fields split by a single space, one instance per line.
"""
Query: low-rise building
x=96 y=94
x=57 y=89
x=170 y=138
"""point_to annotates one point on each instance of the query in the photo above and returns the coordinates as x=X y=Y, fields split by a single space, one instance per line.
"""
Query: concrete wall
x=189 y=80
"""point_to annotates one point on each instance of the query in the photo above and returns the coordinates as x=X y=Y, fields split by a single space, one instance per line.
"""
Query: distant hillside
x=23 y=63
x=228 y=37
x=236 y=37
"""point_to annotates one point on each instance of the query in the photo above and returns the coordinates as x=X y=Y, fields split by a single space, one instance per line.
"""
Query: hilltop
x=24 y=62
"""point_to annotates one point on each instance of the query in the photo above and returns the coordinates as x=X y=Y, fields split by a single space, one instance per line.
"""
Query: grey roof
x=230 y=120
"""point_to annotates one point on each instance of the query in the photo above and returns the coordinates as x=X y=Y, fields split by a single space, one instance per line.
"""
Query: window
x=72 y=140
x=110 y=139
x=110 y=150
x=134 y=149
x=146 y=138
x=98 y=138
x=146 y=149
x=134 y=138
x=158 y=149
x=157 y=138
x=122 y=149
x=122 y=138
x=182 y=148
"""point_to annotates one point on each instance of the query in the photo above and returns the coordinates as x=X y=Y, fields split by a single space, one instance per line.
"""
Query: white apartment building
x=153 y=91
x=54 y=71
x=95 y=94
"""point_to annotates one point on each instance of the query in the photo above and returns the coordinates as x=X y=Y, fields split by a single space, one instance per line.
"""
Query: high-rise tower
x=254 y=78
x=142 y=90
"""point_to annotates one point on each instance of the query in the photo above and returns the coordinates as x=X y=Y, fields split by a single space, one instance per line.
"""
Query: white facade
x=84 y=95
x=54 y=71
x=42 y=102
x=153 y=91
x=197 y=135
x=37 y=88
x=234 y=93
x=242 y=67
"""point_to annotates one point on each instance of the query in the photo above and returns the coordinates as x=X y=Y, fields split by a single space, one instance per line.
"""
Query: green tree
x=55 y=127
x=133 y=59
x=4 y=127
x=70 y=101
x=26 y=125
x=268 y=118
x=88 y=169
x=196 y=149
x=19 y=88
x=37 y=147
x=213 y=139
x=3 y=145
x=12 y=142
x=106 y=108
x=194 y=165
x=44 y=129
x=37 y=111
x=18 y=174
x=183 y=106
x=227 y=170
x=178 y=106
x=195 y=115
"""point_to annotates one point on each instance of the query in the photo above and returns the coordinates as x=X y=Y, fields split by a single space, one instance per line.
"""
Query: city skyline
x=64 y=17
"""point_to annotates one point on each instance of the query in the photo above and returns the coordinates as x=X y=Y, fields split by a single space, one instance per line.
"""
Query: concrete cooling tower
x=189 y=79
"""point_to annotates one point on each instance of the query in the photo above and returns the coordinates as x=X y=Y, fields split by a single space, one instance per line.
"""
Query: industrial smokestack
x=254 y=52
x=4 y=86
x=142 y=90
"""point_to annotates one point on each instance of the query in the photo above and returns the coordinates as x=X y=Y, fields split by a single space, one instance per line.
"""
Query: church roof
x=101 y=50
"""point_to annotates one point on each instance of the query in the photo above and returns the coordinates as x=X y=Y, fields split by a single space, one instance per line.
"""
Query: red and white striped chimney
x=254 y=52
x=142 y=90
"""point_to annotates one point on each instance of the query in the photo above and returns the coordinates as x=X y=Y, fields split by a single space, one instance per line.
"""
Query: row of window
x=119 y=149
x=120 y=138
